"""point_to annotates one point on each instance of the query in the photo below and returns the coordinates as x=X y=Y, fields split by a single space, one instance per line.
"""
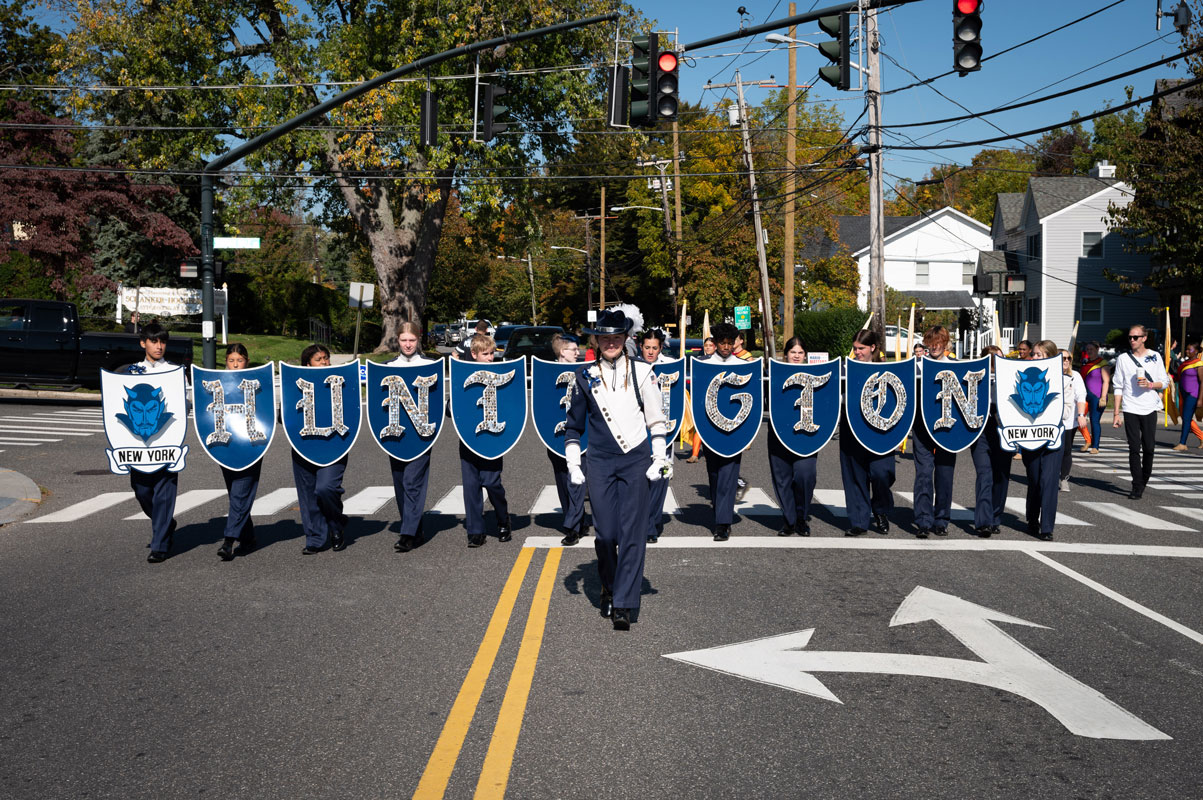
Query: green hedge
x=829 y=331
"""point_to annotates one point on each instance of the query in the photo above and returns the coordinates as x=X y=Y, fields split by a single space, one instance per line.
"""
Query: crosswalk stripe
x=188 y=501
x=57 y=431
x=369 y=501
x=1186 y=511
x=453 y=501
x=1190 y=495
x=82 y=509
x=26 y=442
x=1018 y=507
x=832 y=500
x=670 y=502
x=548 y=502
x=276 y=501
x=1133 y=517
x=27 y=420
x=756 y=503
x=958 y=512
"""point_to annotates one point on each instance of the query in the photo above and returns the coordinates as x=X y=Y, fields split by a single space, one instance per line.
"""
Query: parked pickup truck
x=41 y=343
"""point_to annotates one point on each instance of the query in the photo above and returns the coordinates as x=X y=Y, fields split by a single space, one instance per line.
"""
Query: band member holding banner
x=1043 y=465
x=1075 y=389
x=651 y=346
x=478 y=472
x=1097 y=379
x=320 y=488
x=992 y=465
x=935 y=467
x=868 y=476
x=242 y=486
x=723 y=471
x=1139 y=380
x=156 y=491
x=794 y=476
x=572 y=495
x=410 y=478
x=618 y=400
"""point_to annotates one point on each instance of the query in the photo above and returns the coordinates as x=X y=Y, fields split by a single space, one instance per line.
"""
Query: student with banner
x=935 y=466
x=572 y=495
x=992 y=465
x=651 y=350
x=867 y=445
x=1040 y=392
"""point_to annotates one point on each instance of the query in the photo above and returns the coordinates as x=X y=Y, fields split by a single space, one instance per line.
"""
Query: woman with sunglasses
x=1075 y=400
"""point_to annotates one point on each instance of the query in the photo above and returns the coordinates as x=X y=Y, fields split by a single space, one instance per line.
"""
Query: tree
x=361 y=160
x=26 y=53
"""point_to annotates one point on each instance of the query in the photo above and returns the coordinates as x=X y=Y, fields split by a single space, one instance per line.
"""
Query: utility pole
x=677 y=203
x=791 y=145
x=766 y=317
x=602 y=276
x=530 y=273
x=877 y=247
x=588 y=265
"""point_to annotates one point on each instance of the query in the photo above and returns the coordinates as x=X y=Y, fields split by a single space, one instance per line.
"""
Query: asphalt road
x=460 y=673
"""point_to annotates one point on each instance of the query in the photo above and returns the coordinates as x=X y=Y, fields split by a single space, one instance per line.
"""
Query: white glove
x=572 y=454
x=661 y=468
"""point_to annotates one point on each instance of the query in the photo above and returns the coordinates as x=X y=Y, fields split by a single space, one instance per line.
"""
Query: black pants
x=1141 y=430
x=1067 y=457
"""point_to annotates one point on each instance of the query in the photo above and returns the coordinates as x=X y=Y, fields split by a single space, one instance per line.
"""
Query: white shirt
x=731 y=359
x=150 y=365
x=627 y=423
x=1073 y=392
x=1139 y=400
x=403 y=360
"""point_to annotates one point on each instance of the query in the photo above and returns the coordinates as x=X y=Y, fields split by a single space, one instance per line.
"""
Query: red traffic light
x=968 y=6
x=667 y=62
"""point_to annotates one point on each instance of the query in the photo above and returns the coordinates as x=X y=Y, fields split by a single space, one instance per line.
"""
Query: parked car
x=892 y=334
x=501 y=335
x=693 y=347
x=42 y=343
x=532 y=340
x=438 y=334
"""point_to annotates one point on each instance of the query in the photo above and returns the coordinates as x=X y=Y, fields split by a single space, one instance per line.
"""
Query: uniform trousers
x=723 y=472
x=478 y=473
x=242 y=486
x=656 y=492
x=993 y=467
x=618 y=496
x=1094 y=410
x=1141 y=432
x=410 y=479
x=868 y=480
x=155 y=492
x=933 y=466
x=1067 y=452
x=794 y=479
x=572 y=496
x=1044 y=473
x=320 y=494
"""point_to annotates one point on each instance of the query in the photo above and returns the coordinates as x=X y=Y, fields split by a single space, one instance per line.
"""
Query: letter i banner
x=234 y=414
x=320 y=410
x=145 y=420
x=551 y=386
x=488 y=405
x=804 y=404
x=727 y=403
x=1029 y=402
x=954 y=401
x=405 y=404
x=670 y=374
x=880 y=403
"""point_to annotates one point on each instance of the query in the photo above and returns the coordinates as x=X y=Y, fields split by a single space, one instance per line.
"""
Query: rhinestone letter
x=806 y=403
x=488 y=401
x=951 y=390
x=728 y=424
x=873 y=399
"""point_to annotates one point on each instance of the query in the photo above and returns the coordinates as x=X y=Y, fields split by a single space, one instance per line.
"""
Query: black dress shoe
x=311 y=551
x=338 y=541
x=787 y=530
x=653 y=539
x=570 y=538
x=156 y=557
x=504 y=534
x=982 y=531
x=881 y=524
x=1034 y=529
x=245 y=546
x=722 y=533
x=1136 y=493
x=226 y=551
x=922 y=533
x=606 y=606
x=855 y=531
x=476 y=539
x=995 y=530
x=1044 y=537
x=405 y=543
x=940 y=531
x=804 y=530
x=622 y=619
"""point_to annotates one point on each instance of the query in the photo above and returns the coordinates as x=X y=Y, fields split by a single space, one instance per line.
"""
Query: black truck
x=41 y=344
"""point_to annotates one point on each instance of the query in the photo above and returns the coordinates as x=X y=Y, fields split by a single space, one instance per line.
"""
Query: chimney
x=1102 y=169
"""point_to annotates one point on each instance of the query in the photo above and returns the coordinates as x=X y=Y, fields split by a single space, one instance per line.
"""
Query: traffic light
x=489 y=111
x=428 y=124
x=838 y=51
x=667 y=96
x=618 y=97
x=967 y=36
x=645 y=50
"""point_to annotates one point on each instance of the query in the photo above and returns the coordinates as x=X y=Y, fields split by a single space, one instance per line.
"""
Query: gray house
x=1055 y=244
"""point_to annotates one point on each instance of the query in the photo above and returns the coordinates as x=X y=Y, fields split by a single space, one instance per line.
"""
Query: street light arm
x=780 y=38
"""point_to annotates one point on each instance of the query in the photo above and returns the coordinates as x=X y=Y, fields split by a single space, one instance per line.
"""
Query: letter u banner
x=320 y=410
x=1029 y=402
x=234 y=414
x=880 y=403
x=954 y=401
x=727 y=403
x=804 y=404
x=488 y=405
x=405 y=406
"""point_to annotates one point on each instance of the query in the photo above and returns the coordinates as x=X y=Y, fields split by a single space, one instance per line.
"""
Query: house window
x=1034 y=310
x=968 y=270
x=1034 y=246
x=1092 y=244
x=922 y=273
x=1091 y=311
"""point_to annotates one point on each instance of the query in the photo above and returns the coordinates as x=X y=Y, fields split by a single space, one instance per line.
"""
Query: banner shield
x=954 y=401
x=405 y=404
x=804 y=404
x=727 y=403
x=488 y=405
x=234 y=414
x=880 y=403
x=551 y=384
x=320 y=410
x=671 y=375
x=145 y=420
x=1028 y=400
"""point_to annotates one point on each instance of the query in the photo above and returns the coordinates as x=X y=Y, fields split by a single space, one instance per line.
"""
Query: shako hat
x=610 y=322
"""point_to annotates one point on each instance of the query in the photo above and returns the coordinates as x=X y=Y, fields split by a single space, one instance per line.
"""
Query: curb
x=19 y=496
x=39 y=394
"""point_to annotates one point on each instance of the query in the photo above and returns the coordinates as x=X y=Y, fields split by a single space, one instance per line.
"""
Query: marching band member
x=242 y=486
x=1190 y=377
x=723 y=471
x=477 y=472
x=868 y=478
x=572 y=495
x=1044 y=465
x=156 y=491
x=794 y=476
x=1076 y=388
x=410 y=478
x=992 y=465
x=320 y=489
x=1097 y=378
x=933 y=464
x=651 y=346
x=619 y=399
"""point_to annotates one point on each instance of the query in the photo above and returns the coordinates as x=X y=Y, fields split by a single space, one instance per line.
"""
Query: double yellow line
x=500 y=757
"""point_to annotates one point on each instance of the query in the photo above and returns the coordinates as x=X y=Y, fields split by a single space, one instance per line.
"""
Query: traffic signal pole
x=877 y=222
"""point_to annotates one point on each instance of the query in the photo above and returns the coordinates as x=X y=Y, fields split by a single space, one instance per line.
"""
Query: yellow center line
x=447 y=749
x=500 y=758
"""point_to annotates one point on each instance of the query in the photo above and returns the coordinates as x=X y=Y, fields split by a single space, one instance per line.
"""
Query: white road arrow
x=1006 y=664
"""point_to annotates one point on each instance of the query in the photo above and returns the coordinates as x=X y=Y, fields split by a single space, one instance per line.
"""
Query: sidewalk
x=19 y=496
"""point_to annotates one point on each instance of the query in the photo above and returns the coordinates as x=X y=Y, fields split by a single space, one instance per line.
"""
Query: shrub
x=829 y=331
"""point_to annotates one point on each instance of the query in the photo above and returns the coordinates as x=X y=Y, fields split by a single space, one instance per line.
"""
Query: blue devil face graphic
x=1031 y=395
x=145 y=414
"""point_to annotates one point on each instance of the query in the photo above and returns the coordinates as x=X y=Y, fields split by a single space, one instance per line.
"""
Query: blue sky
x=919 y=37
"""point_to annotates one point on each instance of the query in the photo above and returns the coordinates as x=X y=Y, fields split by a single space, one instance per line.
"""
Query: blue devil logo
x=1031 y=395
x=145 y=414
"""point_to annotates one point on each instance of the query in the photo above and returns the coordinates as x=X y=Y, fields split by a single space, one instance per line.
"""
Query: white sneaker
x=1065 y=485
